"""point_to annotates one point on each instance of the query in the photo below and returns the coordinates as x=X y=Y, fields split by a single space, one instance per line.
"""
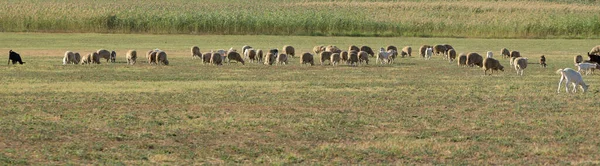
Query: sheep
x=259 y=55
x=206 y=57
x=512 y=61
x=132 y=57
x=102 y=53
x=307 y=58
x=406 y=51
x=448 y=47
x=333 y=49
x=289 y=50
x=383 y=56
x=578 y=59
x=14 y=57
x=451 y=55
x=275 y=52
x=491 y=64
x=269 y=58
x=325 y=56
x=593 y=58
x=318 y=49
x=234 y=55
x=152 y=56
x=474 y=59
x=223 y=54
x=490 y=54
x=462 y=59
x=395 y=54
x=344 y=56
x=520 y=65
x=113 y=56
x=250 y=54
x=595 y=50
x=216 y=59
x=244 y=48
x=428 y=53
x=368 y=50
x=335 y=59
x=161 y=57
x=77 y=58
x=363 y=56
x=543 y=61
x=282 y=59
x=86 y=59
x=571 y=76
x=353 y=47
x=423 y=49
x=505 y=53
x=353 y=58
x=515 y=54
x=439 y=49
x=69 y=58
x=586 y=67
x=95 y=58
x=196 y=52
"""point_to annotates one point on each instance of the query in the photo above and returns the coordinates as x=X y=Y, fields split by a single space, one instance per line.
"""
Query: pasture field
x=412 y=112
x=412 y=18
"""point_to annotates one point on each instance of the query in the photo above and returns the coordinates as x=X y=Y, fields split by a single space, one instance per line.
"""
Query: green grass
x=412 y=112
x=472 y=18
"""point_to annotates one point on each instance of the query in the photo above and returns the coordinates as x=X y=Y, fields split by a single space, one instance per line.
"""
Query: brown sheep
x=95 y=58
x=491 y=64
x=363 y=56
x=353 y=58
x=250 y=54
x=595 y=50
x=515 y=54
x=344 y=56
x=206 y=57
x=422 y=50
x=102 y=53
x=196 y=52
x=216 y=59
x=326 y=56
x=578 y=59
x=448 y=47
x=505 y=53
x=282 y=59
x=353 y=47
x=462 y=60
x=269 y=59
x=474 y=59
x=406 y=51
x=161 y=58
x=439 y=49
x=131 y=57
x=86 y=59
x=318 y=49
x=233 y=55
x=259 y=55
x=69 y=58
x=289 y=50
x=451 y=55
x=335 y=59
x=307 y=58
x=520 y=64
x=543 y=61
x=368 y=50
x=152 y=56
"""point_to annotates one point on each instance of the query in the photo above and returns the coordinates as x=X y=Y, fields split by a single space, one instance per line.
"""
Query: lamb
x=586 y=67
x=491 y=64
x=520 y=64
x=335 y=59
x=307 y=58
x=234 y=55
x=474 y=59
x=462 y=59
x=423 y=49
x=69 y=58
x=196 y=52
x=439 y=49
x=223 y=54
x=216 y=59
x=282 y=59
x=318 y=49
x=363 y=56
x=571 y=76
x=344 y=56
x=113 y=56
x=206 y=57
x=595 y=50
x=161 y=57
x=250 y=54
x=490 y=54
x=406 y=51
x=383 y=56
x=543 y=61
x=505 y=53
x=289 y=50
x=368 y=50
x=395 y=54
x=428 y=53
x=325 y=55
x=353 y=47
x=269 y=59
x=515 y=54
x=353 y=58
x=102 y=53
x=131 y=57
x=578 y=59
x=451 y=55
x=14 y=57
x=86 y=59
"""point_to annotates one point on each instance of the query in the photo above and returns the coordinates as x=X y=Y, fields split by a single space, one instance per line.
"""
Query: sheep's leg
x=560 y=82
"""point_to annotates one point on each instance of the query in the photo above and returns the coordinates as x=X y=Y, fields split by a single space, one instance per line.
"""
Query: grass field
x=413 y=18
x=411 y=112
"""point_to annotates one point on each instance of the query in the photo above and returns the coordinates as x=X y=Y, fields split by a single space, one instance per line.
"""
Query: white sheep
x=586 y=67
x=573 y=77
x=520 y=65
x=428 y=53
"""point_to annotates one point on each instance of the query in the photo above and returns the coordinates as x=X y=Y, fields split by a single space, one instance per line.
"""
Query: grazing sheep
x=152 y=56
x=491 y=64
x=14 y=57
x=586 y=67
x=543 y=61
x=353 y=58
x=571 y=76
x=77 y=57
x=515 y=54
x=363 y=56
x=289 y=50
x=344 y=56
x=86 y=59
x=505 y=53
x=206 y=57
x=131 y=57
x=595 y=50
x=275 y=52
x=335 y=59
x=250 y=54
x=102 y=53
x=196 y=52
x=307 y=58
x=95 y=58
x=113 y=56
x=520 y=65
x=333 y=49
x=269 y=58
x=282 y=59
x=353 y=47
x=439 y=49
x=216 y=59
x=368 y=50
x=462 y=59
x=161 y=58
x=326 y=56
x=318 y=49
x=223 y=54
x=259 y=55
x=451 y=55
x=428 y=53
x=395 y=54
x=234 y=55
x=423 y=49
x=490 y=54
x=474 y=59
x=406 y=51
x=69 y=58
x=448 y=47
x=578 y=59
x=244 y=48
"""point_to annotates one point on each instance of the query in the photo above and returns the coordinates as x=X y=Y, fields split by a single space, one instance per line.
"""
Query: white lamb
x=586 y=67
x=428 y=53
x=383 y=56
x=571 y=76
x=490 y=54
